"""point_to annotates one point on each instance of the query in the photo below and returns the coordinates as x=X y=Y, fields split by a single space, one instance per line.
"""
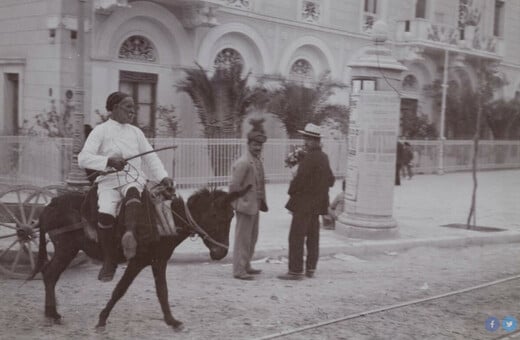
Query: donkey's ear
x=236 y=194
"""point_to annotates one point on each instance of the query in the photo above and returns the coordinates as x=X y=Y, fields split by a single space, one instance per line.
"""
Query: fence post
x=440 y=164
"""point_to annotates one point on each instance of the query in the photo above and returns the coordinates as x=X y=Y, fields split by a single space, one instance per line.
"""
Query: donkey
x=207 y=213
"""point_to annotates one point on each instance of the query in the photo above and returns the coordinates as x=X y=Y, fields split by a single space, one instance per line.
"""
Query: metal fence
x=197 y=162
x=458 y=155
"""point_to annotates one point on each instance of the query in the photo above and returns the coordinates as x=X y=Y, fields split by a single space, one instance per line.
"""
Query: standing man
x=309 y=198
x=248 y=170
x=407 y=160
x=399 y=158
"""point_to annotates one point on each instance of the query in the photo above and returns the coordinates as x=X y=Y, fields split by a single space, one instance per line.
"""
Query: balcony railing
x=426 y=32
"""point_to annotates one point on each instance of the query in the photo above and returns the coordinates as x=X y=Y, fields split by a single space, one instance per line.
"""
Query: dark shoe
x=253 y=271
x=309 y=273
x=290 y=276
x=246 y=277
x=106 y=240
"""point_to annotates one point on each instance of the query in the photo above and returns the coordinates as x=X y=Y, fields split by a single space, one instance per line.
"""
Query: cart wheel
x=20 y=208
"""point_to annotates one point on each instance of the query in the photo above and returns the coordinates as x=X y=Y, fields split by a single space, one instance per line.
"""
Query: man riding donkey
x=108 y=147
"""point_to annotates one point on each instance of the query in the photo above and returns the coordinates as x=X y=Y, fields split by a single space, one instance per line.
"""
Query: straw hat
x=311 y=130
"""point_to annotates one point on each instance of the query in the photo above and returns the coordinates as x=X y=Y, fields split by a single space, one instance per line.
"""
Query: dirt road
x=213 y=305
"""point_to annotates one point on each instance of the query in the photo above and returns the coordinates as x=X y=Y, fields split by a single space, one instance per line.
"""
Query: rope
x=199 y=230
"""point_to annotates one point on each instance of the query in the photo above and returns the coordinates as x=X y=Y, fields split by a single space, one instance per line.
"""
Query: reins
x=101 y=172
x=197 y=228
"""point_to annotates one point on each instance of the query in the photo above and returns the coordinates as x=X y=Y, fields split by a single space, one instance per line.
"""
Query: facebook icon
x=492 y=324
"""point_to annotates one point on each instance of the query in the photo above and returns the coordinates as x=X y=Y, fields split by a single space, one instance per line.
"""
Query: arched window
x=410 y=83
x=302 y=70
x=227 y=58
x=139 y=48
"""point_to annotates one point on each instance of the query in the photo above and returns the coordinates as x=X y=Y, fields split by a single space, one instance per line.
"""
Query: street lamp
x=444 y=87
x=76 y=177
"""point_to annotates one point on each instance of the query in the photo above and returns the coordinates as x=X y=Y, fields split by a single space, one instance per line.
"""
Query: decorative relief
x=137 y=48
x=302 y=69
x=195 y=15
x=227 y=58
x=311 y=11
x=108 y=6
x=444 y=34
x=246 y=4
x=368 y=21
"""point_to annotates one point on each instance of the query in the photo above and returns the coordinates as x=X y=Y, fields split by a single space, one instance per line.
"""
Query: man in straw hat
x=248 y=170
x=309 y=198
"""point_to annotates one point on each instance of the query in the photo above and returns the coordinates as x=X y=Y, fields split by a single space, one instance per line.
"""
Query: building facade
x=142 y=47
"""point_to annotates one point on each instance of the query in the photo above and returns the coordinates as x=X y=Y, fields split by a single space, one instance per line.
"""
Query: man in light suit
x=248 y=170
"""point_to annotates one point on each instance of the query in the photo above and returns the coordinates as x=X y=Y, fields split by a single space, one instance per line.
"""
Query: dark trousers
x=407 y=169
x=397 y=174
x=305 y=229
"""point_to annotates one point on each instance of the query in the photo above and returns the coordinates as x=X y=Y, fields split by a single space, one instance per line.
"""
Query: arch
x=241 y=37
x=466 y=77
x=133 y=21
x=420 y=70
x=410 y=83
x=311 y=43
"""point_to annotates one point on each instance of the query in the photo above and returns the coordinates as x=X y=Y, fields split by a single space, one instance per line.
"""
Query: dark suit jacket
x=309 y=189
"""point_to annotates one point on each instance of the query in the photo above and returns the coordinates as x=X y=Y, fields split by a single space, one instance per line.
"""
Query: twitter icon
x=509 y=324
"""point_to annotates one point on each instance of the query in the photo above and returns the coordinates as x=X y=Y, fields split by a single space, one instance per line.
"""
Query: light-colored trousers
x=246 y=235
x=111 y=193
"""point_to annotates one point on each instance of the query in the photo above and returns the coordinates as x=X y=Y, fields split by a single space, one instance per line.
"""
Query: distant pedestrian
x=336 y=208
x=248 y=170
x=399 y=162
x=407 y=160
x=309 y=198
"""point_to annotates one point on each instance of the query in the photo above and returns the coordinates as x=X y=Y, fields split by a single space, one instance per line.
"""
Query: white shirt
x=111 y=139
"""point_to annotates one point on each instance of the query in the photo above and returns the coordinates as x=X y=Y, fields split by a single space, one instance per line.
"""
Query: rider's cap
x=115 y=98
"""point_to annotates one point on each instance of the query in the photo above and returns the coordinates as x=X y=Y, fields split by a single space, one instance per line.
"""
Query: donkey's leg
x=134 y=268
x=161 y=287
x=51 y=274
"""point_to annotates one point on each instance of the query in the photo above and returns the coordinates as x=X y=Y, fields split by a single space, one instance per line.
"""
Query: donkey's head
x=213 y=212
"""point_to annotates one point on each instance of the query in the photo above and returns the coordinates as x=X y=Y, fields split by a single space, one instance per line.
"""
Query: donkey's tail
x=42 y=253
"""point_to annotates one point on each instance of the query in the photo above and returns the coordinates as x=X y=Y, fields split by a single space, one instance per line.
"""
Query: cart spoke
x=16 y=259
x=34 y=205
x=20 y=206
x=7 y=249
x=11 y=214
x=8 y=236
x=8 y=225
x=30 y=253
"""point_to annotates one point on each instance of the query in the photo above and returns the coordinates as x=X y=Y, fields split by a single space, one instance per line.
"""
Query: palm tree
x=296 y=105
x=221 y=103
x=222 y=100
